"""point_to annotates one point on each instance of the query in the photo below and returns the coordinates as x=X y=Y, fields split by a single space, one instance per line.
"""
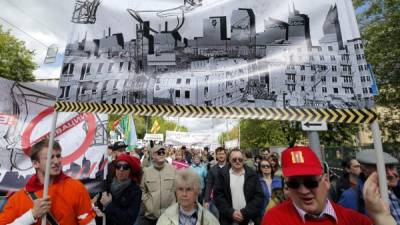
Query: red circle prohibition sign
x=66 y=160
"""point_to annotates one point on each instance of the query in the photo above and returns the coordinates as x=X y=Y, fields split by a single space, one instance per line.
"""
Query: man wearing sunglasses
x=308 y=196
x=158 y=186
x=238 y=193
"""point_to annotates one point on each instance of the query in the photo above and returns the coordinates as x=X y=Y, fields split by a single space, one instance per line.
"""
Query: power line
x=33 y=18
x=9 y=23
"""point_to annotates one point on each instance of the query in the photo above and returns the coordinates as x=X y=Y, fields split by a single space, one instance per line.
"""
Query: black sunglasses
x=161 y=152
x=265 y=166
x=309 y=183
x=236 y=160
x=122 y=167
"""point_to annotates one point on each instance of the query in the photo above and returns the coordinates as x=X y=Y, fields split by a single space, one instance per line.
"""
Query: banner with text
x=26 y=111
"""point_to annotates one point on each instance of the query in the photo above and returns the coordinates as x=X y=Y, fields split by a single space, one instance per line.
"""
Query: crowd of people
x=163 y=185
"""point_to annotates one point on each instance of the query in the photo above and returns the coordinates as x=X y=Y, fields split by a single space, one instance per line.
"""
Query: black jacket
x=253 y=194
x=212 y=176
x=124 y=209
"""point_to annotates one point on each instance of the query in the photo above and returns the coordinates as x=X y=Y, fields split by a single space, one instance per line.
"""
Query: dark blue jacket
x=124 y=209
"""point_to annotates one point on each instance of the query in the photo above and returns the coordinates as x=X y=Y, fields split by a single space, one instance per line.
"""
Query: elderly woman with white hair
x=187 y=211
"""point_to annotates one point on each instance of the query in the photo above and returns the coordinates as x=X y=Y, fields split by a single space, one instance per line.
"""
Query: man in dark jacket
x=238 y=193
x=212 y=176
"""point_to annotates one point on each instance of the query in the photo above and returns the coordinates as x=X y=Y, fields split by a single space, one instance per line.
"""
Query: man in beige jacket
x=158 y=186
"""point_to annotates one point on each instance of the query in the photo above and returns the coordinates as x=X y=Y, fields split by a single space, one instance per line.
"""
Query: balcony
x=347 y=85
x=288 y=82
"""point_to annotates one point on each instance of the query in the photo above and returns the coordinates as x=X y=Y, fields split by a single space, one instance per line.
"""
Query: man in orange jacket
x=68 y=201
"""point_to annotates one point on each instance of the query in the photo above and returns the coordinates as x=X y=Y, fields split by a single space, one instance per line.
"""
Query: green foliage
x=380 y=21
x=339 y=135
x=143 y=124
x=16 y=61
x=257 y=134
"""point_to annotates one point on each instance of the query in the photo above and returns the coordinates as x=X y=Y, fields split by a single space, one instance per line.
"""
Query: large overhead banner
x=26 y=111
x=255 y=53
x=190 y=139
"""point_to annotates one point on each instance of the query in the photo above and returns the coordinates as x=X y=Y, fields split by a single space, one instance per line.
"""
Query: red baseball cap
x=300 y=161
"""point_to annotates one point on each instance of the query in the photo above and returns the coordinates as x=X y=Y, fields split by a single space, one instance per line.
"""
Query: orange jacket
x=69 y=200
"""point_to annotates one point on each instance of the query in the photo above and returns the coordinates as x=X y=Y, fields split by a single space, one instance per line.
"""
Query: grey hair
x=188 y=178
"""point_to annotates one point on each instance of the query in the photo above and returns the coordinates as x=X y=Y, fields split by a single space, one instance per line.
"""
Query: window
x=121 y=66
x=323 y=79
x=356 y=46
x=177 y=93
x=362 y=79
x=344 y=68
x=334 y=69
x=312 y=78
x=358 y=57
x=187 y=81
x=302 y=67
x=344 y=58
x=368 y=78
x=361 y=45
x=110 y=67
x=100 y=68
x=311 y=58
x=94 y=88
x=62 y=92
x=365 y=90
x=68 y=69
x=324 y=89
x=303 y=77
x=330 y=48
x=366 y=67
x=334 y=79
x=333 y=58
x=187 y=94
x=313 y=89
x=302 y=88
x=335 y=90
x=179 y=80
x=312 y=67
x=360 y=68
x=321 y=57
x=205 y=91
x=319 y=49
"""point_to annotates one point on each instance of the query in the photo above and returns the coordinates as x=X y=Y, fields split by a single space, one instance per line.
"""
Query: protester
x=308 y=191
x=349 y=179
x=248 y=160
x=68 y=201
x=278 y=194
x=352 y=198
x=158 y=185
x=179 y=162
x=266 y=177
x=273 y=159
x=198 y=167
x=188 y=154
x=145 y=160
x=206 y=155
x=211 y=178
x=118 y=148
x=122 y=204
x=238 y=193
x=187 y=210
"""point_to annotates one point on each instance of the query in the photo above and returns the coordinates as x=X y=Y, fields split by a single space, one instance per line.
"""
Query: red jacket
x=285 y=213
x=69 y=200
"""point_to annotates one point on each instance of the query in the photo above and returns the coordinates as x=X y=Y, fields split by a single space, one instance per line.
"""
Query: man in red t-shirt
x=308 y=192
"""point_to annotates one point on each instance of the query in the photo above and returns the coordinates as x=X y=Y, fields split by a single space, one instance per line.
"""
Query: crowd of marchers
x=163 y=185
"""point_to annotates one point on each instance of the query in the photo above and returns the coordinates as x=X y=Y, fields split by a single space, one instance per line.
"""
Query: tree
x=257 y=134
x=379 y=20
x=16 y=61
